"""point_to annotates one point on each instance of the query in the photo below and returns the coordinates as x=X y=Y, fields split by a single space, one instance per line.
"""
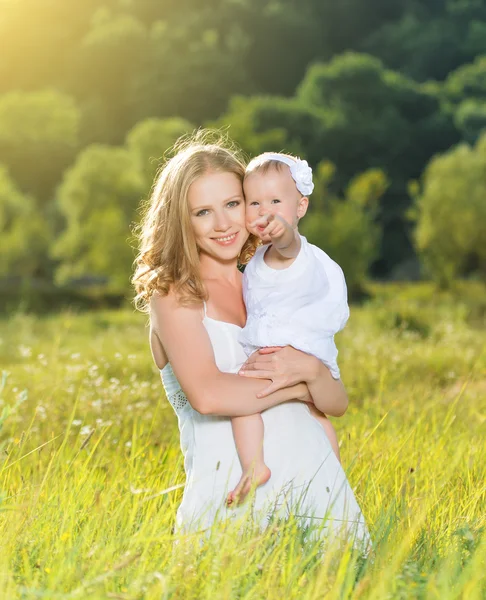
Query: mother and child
x=248 y=361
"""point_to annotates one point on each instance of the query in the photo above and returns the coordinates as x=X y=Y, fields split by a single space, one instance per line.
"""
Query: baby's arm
x=328 y=428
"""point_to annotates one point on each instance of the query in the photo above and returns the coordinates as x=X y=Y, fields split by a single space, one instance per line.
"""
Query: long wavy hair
x=168 y=255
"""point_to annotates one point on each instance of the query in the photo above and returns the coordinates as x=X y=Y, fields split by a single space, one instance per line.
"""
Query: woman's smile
x=227 y=240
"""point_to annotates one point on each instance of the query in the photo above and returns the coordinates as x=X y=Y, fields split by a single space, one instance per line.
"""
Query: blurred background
x=385 y=98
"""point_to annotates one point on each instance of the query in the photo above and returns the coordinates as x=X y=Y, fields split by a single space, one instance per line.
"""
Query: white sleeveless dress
x=307 y=479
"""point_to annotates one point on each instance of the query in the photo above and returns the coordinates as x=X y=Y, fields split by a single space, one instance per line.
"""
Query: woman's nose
x=222 y=222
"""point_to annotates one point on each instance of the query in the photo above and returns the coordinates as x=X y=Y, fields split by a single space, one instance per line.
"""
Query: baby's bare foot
x=255 y=476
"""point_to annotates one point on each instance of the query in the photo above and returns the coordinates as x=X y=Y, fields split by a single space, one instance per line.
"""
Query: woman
x=192 y=237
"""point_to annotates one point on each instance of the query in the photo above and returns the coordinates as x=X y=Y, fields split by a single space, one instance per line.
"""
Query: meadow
x=91 y=472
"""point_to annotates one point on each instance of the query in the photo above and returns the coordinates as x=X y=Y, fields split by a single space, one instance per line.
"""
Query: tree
x=360 y=116
x=38 y=138
x=24 y=233
x=450 y=211
x=111 y=55
x=469 y=81
x=346 y=228
x=470 y=119
x=269 y=123
x=150 y=140
x=98 y=199
x=191 y=70
x=375 y=116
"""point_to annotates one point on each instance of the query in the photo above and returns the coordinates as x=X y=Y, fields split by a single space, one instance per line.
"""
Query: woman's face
x=217 y=212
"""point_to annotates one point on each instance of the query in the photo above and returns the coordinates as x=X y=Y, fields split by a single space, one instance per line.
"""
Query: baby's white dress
x=302 y=306
x=307 y=479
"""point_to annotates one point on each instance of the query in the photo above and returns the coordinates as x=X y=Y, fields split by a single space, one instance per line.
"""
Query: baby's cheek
x=251 y=214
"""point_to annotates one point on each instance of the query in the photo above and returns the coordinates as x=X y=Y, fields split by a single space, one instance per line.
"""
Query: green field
x=91 y=469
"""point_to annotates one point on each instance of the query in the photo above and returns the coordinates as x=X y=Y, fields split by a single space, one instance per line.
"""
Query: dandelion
x=86 y=430
x=41 y=411
x=25 y=351
x=77 y=422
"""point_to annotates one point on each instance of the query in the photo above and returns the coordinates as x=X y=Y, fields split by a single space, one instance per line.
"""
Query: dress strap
x=205 y=307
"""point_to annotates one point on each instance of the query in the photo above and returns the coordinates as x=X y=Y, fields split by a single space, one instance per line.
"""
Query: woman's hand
x=285 y=366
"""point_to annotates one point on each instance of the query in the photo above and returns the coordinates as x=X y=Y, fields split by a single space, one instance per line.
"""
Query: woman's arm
x=189 y=350
x=286 y=366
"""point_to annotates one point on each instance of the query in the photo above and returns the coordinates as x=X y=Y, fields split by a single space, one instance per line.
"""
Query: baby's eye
x=275 y=201
x=202 y=212
x=254 y=203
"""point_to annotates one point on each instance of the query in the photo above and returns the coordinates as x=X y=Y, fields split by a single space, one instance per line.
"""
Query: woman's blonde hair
x=168 y=254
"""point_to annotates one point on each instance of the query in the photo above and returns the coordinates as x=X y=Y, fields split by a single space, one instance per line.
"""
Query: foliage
x=359 y=115
x=98 y=199
x=24 y=233
x=38 y=138
x=375 y=85
x=150 y=140
x=470 y=119
x=346 y=228
x=451 y=214
x=469 y=81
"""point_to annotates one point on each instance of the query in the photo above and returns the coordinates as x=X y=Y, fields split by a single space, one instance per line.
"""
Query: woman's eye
x=233 y=203
x=202 y=212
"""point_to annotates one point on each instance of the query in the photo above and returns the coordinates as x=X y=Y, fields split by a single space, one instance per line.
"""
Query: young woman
x=192 y=237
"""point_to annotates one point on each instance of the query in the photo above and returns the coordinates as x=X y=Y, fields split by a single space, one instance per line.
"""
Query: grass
x=91 y=473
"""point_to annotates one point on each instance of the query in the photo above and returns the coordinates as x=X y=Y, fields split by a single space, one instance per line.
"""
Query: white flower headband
x=299 y=169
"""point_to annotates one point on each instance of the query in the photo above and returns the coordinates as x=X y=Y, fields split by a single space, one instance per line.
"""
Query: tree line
x=386 y=100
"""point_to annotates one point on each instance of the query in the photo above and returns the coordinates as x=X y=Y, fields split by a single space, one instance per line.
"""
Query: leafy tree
x=190 y=71
x=150 y=140
x=376 y=117
x=470 y=119
x=38 y=138
x=266 y=123
x=24 y=233
x=358 y=115
x=469 y=81
x=451 y=214
x=98 y=199
x=110 y=56
x=346 y=227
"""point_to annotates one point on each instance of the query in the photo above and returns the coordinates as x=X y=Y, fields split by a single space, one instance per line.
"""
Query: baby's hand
x=275 y=227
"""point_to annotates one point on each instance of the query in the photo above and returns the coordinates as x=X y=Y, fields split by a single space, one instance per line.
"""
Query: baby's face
x=272 y=192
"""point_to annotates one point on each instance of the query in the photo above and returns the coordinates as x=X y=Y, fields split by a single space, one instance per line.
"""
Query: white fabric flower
x=299 y=169
x=302 y=174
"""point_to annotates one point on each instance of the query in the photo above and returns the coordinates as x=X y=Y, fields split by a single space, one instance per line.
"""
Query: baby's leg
x=328 y=428
x=248 y=433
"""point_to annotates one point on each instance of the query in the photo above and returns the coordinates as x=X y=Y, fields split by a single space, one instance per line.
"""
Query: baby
x=294 y=293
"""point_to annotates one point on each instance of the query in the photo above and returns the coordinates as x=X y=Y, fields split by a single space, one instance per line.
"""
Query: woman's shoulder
x=170 y=305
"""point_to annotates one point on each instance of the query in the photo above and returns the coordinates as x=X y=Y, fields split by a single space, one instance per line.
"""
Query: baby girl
x=294 y=293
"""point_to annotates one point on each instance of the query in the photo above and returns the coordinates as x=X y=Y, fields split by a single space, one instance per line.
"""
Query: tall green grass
x=91 y=473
